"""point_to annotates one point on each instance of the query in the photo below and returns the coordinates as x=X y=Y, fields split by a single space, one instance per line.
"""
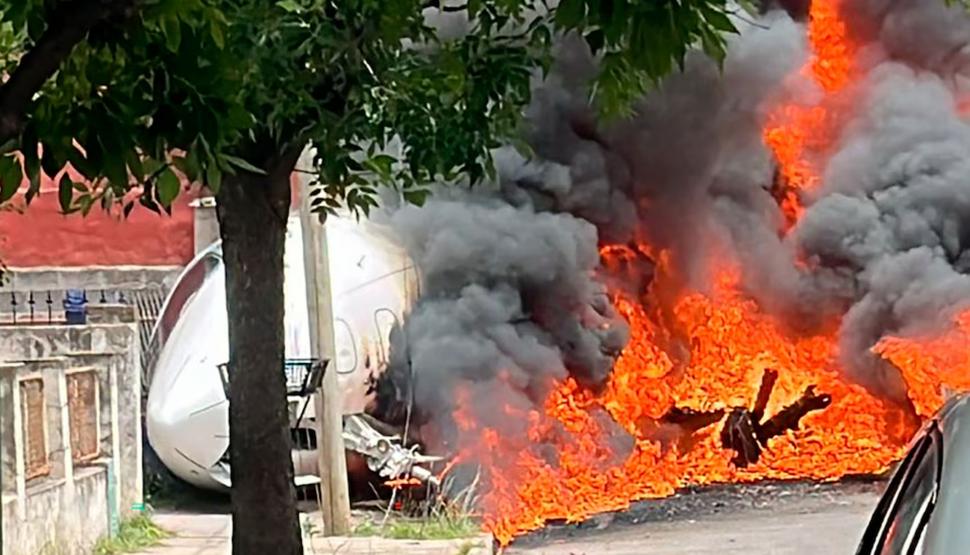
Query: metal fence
x=43 y=307
x=148 y=306
x=47 y=307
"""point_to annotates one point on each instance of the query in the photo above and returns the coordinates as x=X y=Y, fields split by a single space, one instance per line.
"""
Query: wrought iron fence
x=148 y=307
x=44 y=307
x=47 y=307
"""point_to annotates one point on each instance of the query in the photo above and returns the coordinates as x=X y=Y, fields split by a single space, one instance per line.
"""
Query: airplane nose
x=188 y=422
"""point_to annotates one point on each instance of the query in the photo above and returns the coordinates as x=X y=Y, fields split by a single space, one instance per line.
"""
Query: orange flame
x=586 y=452
x=402 y=483
x=795 y=131
x=930 y=364
x=730 y=345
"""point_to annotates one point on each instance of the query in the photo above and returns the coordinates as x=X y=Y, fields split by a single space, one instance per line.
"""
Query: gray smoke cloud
x=509 y=271
x=886 y=236
x=694 y=144
x=509 y=304
x=895 y=209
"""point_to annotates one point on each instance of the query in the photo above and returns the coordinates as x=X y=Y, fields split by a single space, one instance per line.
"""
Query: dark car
x=926 y=506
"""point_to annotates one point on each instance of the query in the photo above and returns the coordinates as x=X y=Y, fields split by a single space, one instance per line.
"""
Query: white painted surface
x=187 y=412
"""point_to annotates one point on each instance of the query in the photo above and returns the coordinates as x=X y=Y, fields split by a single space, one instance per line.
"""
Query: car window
x=888 y=501
x=916 y=500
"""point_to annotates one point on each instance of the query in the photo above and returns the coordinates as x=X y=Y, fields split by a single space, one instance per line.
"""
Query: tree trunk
x=252 y=213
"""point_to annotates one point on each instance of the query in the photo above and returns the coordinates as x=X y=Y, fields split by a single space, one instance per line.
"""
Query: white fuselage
x=187 y=416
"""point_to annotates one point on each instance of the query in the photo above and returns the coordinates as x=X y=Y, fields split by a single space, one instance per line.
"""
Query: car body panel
x=945 y=506
x=948 y=531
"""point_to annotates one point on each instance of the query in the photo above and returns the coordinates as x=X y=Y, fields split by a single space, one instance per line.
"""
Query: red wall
x=42 y=236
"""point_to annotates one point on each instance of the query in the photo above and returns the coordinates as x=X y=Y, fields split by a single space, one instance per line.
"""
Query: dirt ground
x=768 y=519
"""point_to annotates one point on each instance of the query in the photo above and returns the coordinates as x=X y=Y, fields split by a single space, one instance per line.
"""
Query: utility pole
x=328 y=401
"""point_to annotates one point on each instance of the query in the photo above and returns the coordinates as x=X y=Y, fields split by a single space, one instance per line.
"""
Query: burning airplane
x=763 y=274
x=187 y=411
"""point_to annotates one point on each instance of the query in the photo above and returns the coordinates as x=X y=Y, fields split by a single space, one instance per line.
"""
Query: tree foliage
x=206 y=88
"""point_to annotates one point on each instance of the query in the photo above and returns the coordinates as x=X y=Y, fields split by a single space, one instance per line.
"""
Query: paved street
x=765 y=519
x=209 y=534
x=829 y=522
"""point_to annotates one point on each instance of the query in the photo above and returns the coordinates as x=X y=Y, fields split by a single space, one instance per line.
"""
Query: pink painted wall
x=42 y=236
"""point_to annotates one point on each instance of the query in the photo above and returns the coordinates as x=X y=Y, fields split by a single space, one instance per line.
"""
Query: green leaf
x=115 y=168
x=168 y=186
x=416 y=197
x=289 y=5
x=172 y=30
x=84 y=203
x=151 y=166
x=213 y=178
x=718 y=20
x=188 y=165
x=134 y=164
x=11 y=176
x=215 y=30
x=713 y=46
x=570 y=13
x=48 y=161
x=65 y=193
x=34 y=187
x=242 y=164
x=381 y=164
x=29 y=149
x=595 y=40
x=9 y=146
x=149 y=204
x=80 y=163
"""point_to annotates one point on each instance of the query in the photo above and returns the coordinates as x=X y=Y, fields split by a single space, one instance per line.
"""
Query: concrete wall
x=113 y=278
x=63 y=518
x=67 y=510
x=206 y=223
x=42 y=341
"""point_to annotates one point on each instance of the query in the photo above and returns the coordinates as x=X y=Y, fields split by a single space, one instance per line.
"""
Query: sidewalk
x=209 y=534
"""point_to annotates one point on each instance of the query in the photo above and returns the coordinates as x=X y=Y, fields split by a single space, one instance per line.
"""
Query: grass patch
x=134 y=534
x=441 y=517
x=439 y=528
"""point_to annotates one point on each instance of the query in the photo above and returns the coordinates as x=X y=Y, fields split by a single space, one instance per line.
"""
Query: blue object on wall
x=75 y=307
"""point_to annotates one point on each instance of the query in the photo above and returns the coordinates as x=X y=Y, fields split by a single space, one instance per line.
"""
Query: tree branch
x=67 y=25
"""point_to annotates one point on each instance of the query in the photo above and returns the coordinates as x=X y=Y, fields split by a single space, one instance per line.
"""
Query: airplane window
x=916 y=500
x=384 y=320
x=346 y=347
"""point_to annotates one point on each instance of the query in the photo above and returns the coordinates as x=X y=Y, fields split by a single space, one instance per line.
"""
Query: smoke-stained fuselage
x=372 y=283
